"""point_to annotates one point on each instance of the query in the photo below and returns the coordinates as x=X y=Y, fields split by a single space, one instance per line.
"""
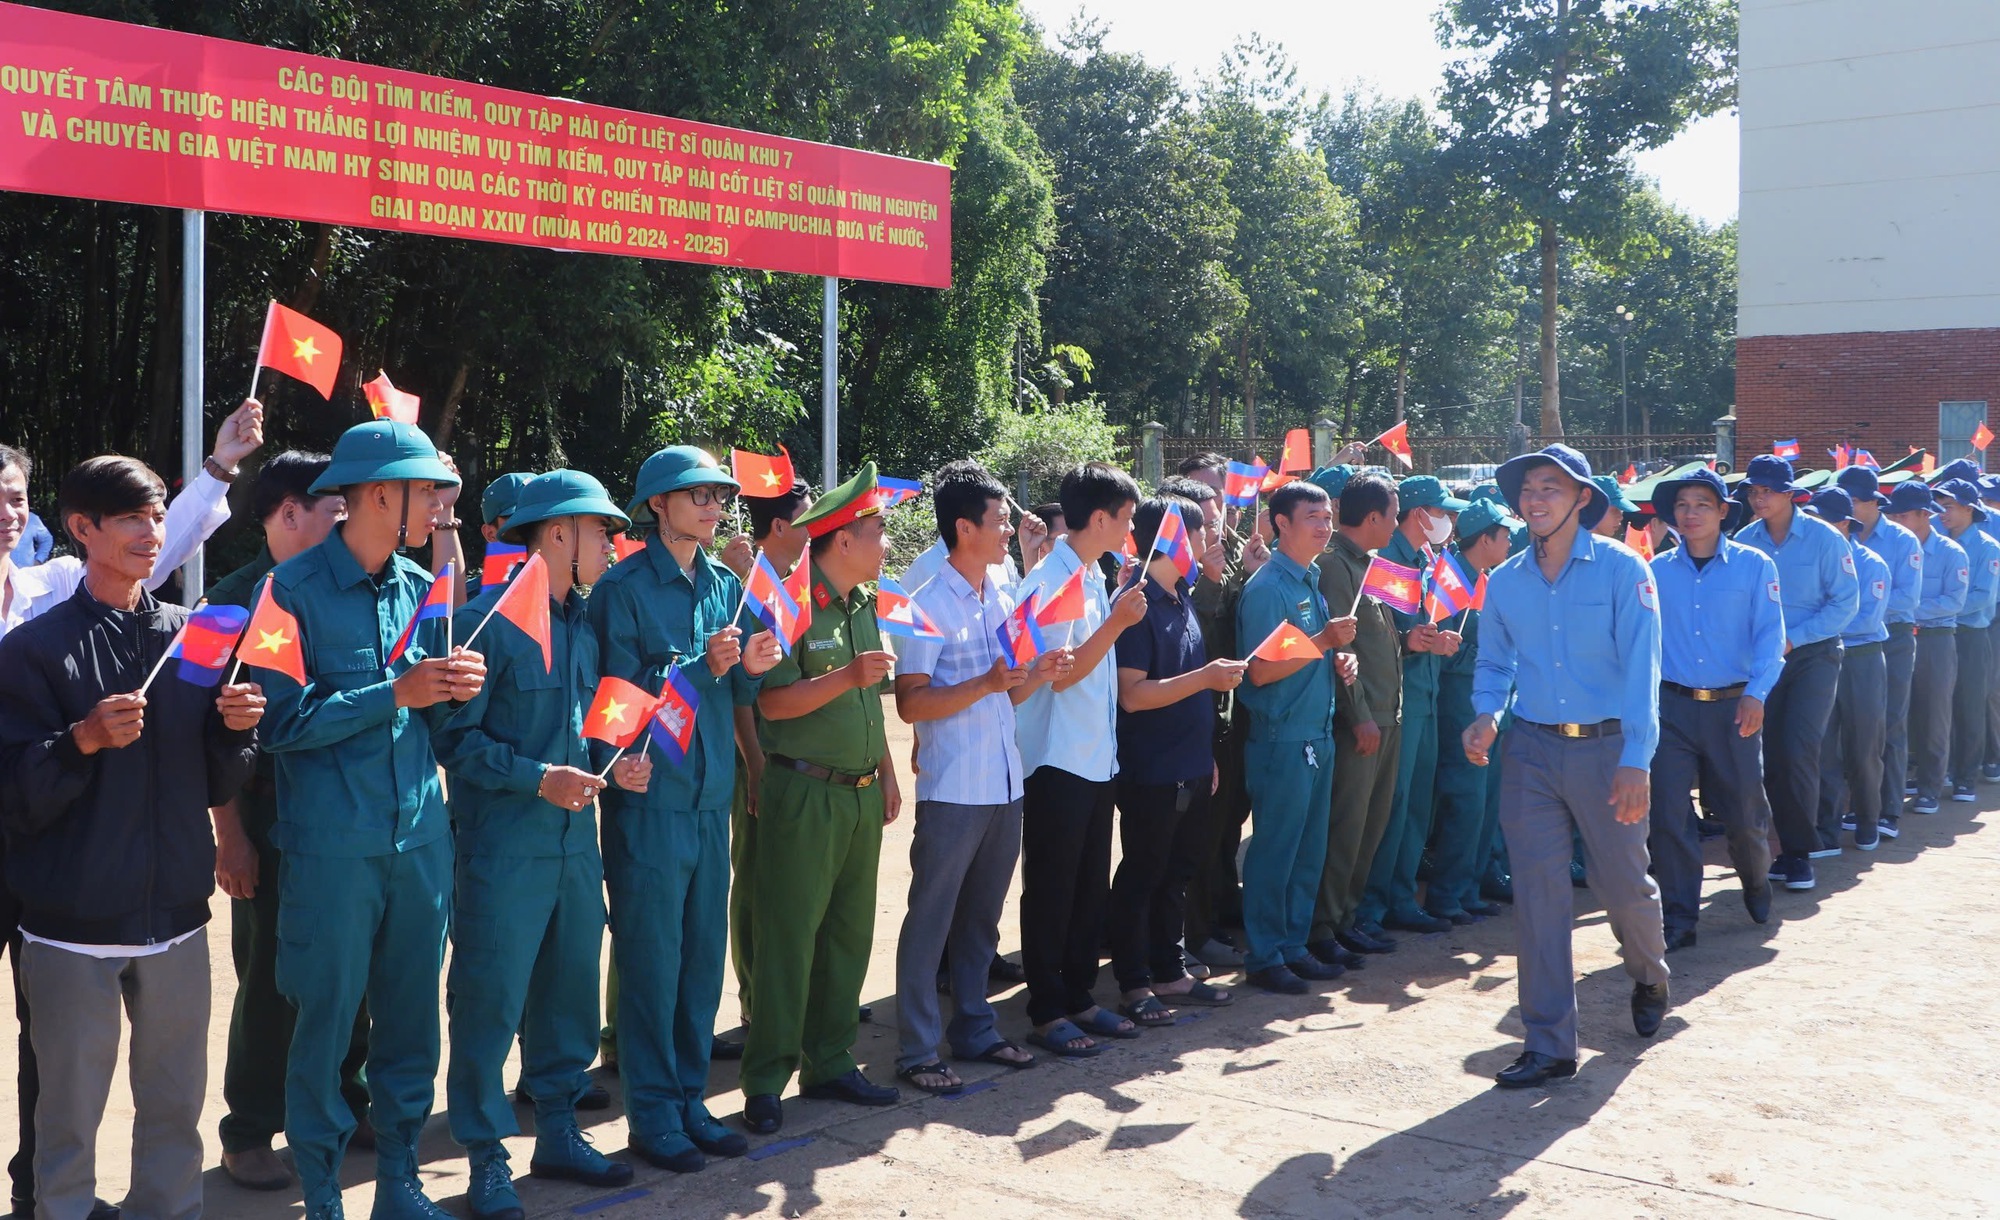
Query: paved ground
x=1838 y=1063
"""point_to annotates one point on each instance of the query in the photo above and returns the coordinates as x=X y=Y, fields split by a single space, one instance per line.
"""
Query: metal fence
x=1607 y=453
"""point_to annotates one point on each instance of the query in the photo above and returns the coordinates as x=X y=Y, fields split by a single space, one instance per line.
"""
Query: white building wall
x=1870 y=166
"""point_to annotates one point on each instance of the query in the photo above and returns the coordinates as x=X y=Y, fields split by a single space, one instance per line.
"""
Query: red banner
x=104 y=110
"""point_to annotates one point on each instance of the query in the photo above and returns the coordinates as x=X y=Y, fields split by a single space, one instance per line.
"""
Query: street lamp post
x=1622 y=328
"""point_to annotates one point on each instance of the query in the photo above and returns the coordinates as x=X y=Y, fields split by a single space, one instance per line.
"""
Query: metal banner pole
x=193 y=310
x=829 y=389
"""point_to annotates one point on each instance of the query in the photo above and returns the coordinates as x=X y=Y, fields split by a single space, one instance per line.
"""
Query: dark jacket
x=112 y=848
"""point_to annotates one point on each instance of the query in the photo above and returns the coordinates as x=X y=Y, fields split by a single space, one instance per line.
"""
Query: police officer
x=1850 y=789
x=1962 y=515
x=1947 y=576
x=1898 y=548
x=528 y=916
x=1572 y=630
x=829 y=787
x=666 y=850
x=1821 y=593
x=367 y=862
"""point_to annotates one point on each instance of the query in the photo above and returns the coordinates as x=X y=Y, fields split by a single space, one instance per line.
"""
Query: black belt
x=1710 y=694
x=1828 y=644
x=831 y=776
x=1862 y=650
x=1937 y=631
x=1902 y=628
x=1603 y=728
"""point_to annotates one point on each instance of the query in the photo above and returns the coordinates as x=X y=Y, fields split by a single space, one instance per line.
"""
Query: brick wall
x=1877 y=390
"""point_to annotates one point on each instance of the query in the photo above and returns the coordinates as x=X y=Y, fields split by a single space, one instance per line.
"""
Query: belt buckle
x=1703 y=695
x=865 y=781
x=1570 y=730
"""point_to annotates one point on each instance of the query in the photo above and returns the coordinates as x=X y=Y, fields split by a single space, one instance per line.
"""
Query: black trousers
x=1166 y=831
x=1930 y=709
x=1968 y=706
x=1699 y=743
x=28 y=1080
x=1795 y=720
x=1065 y=881
x=1214 y=893
x=1851 y=769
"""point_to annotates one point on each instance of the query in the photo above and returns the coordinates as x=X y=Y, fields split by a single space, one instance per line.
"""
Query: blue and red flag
x=436 y=604
x=897 y=491
x=1449 y=589
x=1786 y=449
x=897 y=613
x=1242 y=481
x=671 y=725
x=1020 y=635
x=500 y=561
x=1865 y=459
x=1171 y=542
x=1393 y=585
x=205 y=643
x=766 y=597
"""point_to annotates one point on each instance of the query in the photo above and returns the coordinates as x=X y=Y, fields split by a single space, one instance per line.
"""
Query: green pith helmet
x=501 y=495
x=383 y=451
x=675 y=468
x=562 y=493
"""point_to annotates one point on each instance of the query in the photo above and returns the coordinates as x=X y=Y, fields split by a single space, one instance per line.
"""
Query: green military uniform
x=528 y=912
x=366 y=869
x=819 y=836
x=260 y=1022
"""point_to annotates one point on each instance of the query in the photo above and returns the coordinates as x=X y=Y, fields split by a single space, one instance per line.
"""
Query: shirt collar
x=1348 y=547
x=341 y=563
x=1286 y=564
x=955 y=581
x=668 y=568
x=1723 y=545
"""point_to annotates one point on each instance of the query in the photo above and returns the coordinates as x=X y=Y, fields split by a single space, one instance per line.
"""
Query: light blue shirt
x=1947 y=576
x=1982 y=556
x=1075 y=730
x=1869 y=624
x=1815 y=577
x=969 y=758
x=1898 y=547
x=1581 y=649
x=1721 y=624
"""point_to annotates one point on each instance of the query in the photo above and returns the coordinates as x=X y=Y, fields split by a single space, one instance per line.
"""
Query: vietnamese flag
x=1276 y=479
x=1631 y=472
x=763 y=476
x=1286 y=643
x=1067 y=604
x=1982 y=436
x=271 y=639
x=1297 y=456
x=1479 y=593
x=1128 y=548
x=1640 y=541
x=526 y=605
x=301 y=348
x=619 y=712
x=388 y=402
x=1397 y=441
x=796 y=586
x=625 y=545
x=436 y=604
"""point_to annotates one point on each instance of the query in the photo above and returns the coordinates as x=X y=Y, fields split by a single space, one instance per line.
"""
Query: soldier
x=528 y=918
x=1947 y=575
x=829 y=787
x=361 y=818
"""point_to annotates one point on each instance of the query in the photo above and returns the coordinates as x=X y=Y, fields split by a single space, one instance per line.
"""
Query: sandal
x=938 y=1070
x=1201 y=994
x=1061 y=1034
x=1108 y=1024
x=992 y=1055
x=1149 y=1010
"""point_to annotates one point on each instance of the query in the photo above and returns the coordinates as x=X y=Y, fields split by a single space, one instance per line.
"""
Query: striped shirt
x=969 y=758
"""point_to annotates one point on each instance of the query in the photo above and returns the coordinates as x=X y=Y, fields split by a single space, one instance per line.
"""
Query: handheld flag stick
x=605 y=774
x=257 y=368
x=482 y=622
x=162 y=662
x=1356 y=607
x=236 y=665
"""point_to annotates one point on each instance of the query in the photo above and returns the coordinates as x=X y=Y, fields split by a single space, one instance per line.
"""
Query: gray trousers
x=1993 y=696
x=1364 y=789
x=961 y=866
x=1795 y=721
x=1900 y=654
x=77 y=1001
x=1968 y=706
x=1850 y=776
x=1549 y=787
x=1699 y=746
x=1931 y=688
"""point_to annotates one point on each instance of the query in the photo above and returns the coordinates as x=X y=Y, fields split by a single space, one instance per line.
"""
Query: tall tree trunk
x=1552 y=240
x=1249 y=386
x=1349 y=391
x=1402 y=377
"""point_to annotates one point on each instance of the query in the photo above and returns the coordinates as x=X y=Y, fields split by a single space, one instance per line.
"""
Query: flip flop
x=992 y=1055
x=1057 y=1040
x=1106 y=1025
x=1200 y=994
x=1149 y=1011
x=931 y=1069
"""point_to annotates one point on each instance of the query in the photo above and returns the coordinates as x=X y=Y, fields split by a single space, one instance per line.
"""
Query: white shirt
x=109 y=952
x=196 y=513
x=1077 y=729
x=969 y=758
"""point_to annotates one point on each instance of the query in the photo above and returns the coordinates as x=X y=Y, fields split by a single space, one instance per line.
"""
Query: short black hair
x=1049 y=512
x=108 y=486
x=962 y=492
x=286 y=476
x=1365 y=494
x=12 y=458
x=764 y=510
x=1285 y=501
x=1187 y=489
x=1147 y=517
x=1095 y=487
x=1206 y=460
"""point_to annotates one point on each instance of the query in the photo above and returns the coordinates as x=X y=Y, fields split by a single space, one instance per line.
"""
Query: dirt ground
x=1839 y=1062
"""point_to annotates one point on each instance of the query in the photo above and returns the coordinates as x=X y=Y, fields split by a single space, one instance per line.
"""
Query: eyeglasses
x=705 y=496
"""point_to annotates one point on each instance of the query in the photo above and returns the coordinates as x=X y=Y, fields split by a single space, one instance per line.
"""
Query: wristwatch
x=225 y=474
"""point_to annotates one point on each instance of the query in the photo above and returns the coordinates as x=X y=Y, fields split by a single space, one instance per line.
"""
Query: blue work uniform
x=1851 y=773
x=1975 y=660
x=1288 y=765
x=1947 y=582
x=1392 y=874
x=1580 y=655
x=1898 y=548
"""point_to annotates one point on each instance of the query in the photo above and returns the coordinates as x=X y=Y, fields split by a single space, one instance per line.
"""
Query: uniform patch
x=1647 y=597
x=1916 y=559
x=1881 y=588
x=821 y=596
x=1847 y=564
x=1965 y=573
x=1993 y=565
x=1773 y=587
x=817 y=645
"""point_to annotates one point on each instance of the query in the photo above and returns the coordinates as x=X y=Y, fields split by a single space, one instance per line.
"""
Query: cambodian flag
x=501 y=559
x=1865 y=459
x=436 y=604
x=1393 y=585
x=896 y=613
x=765 y=596
x=1172 y=542
x=1241 y=482
x=206 y=642
x=1450 y=589
x=1020 y=635
x=1786 y=449
x=897 y=491
x=672 y=722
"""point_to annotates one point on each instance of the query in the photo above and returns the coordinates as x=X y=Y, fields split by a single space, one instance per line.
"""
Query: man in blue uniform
x=1572 y=629
x=1722 y=647
x=1821 y=593
x=1898 y=548
x=1962 y=518
x=1989 y=496
x=1850 y=789
x=1947 y=576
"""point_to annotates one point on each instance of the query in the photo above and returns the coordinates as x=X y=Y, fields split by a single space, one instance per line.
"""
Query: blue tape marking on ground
x=769 y=1150
x=977 y=1086
x=598 y=1205
x=1191 y=1016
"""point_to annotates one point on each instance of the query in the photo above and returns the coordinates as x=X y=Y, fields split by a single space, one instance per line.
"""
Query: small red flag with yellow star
x=299 y=347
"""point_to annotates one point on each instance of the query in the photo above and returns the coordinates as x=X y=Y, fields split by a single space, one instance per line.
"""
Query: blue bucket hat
x=1958 y=468
x=1668 y=490
x=1989 y=487
x=1564 y=458
x=1832 y=505
x=675 y=468
x=501 y=495
x=562 y=493
x=1911 y=497
x=1769 y=471
x=1860 y=483
x=1966 y=492
x=382 y=451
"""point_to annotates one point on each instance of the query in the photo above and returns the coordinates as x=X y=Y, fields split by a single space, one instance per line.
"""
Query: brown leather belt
x=831 y=776
x=1603 y=728
x=1700 y=694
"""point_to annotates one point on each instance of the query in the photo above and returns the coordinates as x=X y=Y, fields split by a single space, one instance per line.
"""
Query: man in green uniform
x=666 y=850
x=247 y=864
x=829 y=786
x=528 y=912
x=497 y=502
x=367 y=867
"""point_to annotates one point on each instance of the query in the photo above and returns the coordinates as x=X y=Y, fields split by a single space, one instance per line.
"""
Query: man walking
x=1962 y=518
x=1947 y=577
x=1850 y=790
x=1898 y=548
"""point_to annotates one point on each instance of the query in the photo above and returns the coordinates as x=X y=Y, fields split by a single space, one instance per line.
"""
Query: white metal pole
x=829 y=387
x=193 y=271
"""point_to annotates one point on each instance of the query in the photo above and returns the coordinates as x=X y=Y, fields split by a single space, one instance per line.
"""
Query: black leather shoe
x=855 y=1088
x=1578 y=878
x=1758 y=902
x=1415 y=921
x=1279 y=979
x=100 y=1210
x=1533 y=1069
x=866 y=1014
x=1649 y=1007
x=1497 y=886
x=763 y=1114
x=1482 y=910
x=1677 y=941
x=1333 y=953
x=1314 y=970
x=1360 y=940
x=720 y=1047
x=1002 y=970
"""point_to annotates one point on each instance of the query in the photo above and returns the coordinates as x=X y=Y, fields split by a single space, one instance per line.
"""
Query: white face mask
x=1437 y=529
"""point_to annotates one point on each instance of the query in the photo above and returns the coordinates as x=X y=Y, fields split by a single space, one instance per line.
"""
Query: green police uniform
x=666 y=851
x=528 y=913
x=819 y=836
x=366 y=868
x=260 y=1022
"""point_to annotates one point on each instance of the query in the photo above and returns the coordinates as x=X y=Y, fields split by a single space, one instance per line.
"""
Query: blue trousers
x=1795 y=720
x=1851 y=772
x=1699 y=745
x=1291 y=796
x=668 y=876
x=1464 y=830
x=1392 y=876
x=351 y=928
x=526 y=935
x=1900 y=658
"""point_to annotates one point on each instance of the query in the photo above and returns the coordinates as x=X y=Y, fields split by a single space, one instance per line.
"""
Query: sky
x=1387 y=45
